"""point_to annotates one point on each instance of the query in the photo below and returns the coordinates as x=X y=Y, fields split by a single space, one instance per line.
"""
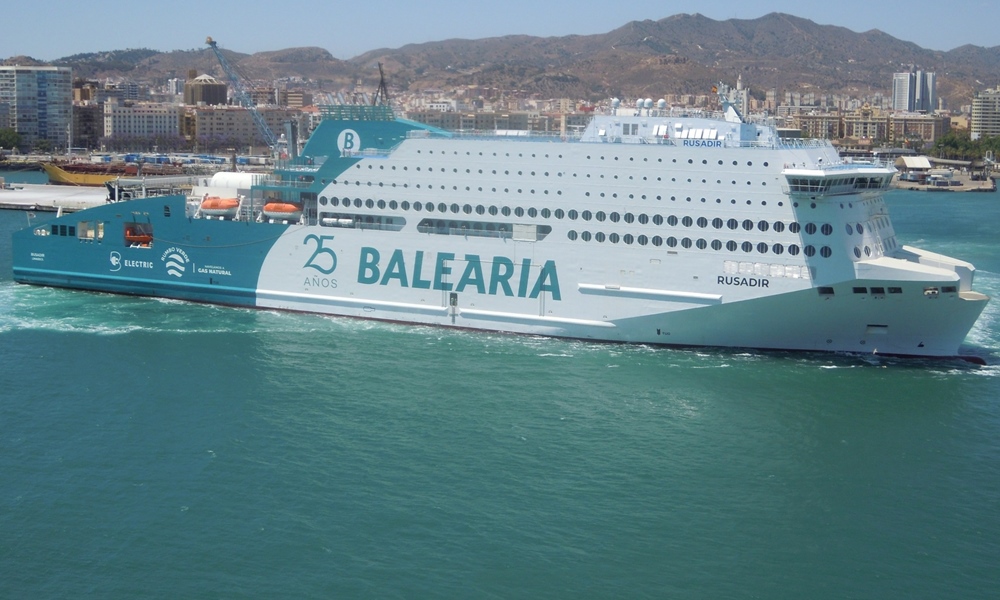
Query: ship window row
x=746 y=247
x=874 y=290
x=516 y=231
x=545 y=192
x=690 y=161
x=585 y=215
x=821 y=185
x=360 y=221
x=90 y=231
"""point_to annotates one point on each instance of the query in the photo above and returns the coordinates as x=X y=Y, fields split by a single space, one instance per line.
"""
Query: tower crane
x=238 y=81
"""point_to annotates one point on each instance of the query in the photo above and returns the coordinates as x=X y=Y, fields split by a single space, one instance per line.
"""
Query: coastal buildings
x=39 y=101
x=985 y=114
x=914 y=91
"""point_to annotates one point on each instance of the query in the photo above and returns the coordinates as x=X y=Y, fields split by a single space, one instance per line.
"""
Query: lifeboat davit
x=215 y=206
x=283 y=211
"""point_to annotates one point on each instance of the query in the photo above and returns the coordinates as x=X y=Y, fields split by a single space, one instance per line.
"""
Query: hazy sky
x=59 y=28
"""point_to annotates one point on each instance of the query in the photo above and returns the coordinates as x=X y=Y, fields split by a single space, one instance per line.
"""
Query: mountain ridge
x=683 y=53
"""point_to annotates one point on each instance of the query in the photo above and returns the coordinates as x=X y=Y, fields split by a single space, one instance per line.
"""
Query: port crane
x=237 y=79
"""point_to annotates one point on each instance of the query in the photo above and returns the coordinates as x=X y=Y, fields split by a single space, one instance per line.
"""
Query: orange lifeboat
x=215 y=206
x=133 y=236
x=283 y=211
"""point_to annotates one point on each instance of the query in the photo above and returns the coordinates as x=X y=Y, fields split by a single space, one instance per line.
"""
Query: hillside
x=679 y=54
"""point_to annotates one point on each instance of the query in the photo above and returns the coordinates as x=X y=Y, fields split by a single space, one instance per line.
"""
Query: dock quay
x=958 y=182
x=50 y=198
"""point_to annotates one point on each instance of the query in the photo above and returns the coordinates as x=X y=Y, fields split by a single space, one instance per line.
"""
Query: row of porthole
x=631 y=159
x=532 y=174
x=586 y=215
x=701 y=243
x=546 y=192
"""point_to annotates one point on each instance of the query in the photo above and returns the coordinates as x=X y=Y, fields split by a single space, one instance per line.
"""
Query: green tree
x=9 y=139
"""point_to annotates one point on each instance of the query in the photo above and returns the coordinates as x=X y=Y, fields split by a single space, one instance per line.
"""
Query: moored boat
x=98 y=174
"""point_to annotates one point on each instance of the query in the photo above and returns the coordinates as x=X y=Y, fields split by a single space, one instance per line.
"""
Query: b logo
x=348 y=142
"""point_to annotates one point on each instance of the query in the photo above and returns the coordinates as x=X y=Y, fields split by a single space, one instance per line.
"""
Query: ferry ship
x=651 y=226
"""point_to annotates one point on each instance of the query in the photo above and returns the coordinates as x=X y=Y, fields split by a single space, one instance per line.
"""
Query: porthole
x=585 y=236
x=429 y=207
x=777 y=249
x=628 y=238
x=671 y=220
x=672 y=242
x=494 y=210
x=868 y=251
x=687 y=221
x=779 y=226
x=546 y=213
x=381 y=204
x=532 y=212
x=322 y=200
x=455 y=208
x=763 y=225
x=716 y=245
x=614 y=238
x=762 y=248
x=732 y=246
x=809 y=250
x=404 y=205
x=861 y=230
x=746 y=247
x=686 y=242
x=857 y=252
x=571 y=234
x=518 y=212
x=643 y=240
x=747 y=224
x=793 y=227
x=643 y=218
x=657 y=240
x=614 y=217
x=717 y=222
x=702 y=222
x=701 y=244
x=417 y=206
x=393 y=205
x=629 y=217
x=600 y=216
x=825 y=252
x=505 y=211
x=572 y=214
x=732 y=224
x=480 y=209
x=793 y=249
x=559 y=213
x=599 y=236
x=586 y=215
x=827 y=229
x=810 y=228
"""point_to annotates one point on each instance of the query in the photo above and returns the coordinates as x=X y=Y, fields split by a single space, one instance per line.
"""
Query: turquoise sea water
x=160 y=449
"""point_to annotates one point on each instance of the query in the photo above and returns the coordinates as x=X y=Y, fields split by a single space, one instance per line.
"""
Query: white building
x=985 y=114
x=143 y=119
x=40 y=101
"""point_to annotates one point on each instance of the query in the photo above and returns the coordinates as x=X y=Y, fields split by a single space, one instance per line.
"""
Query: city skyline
x=349 y=30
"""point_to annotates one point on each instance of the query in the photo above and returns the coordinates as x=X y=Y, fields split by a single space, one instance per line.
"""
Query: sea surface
x=160 y=449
